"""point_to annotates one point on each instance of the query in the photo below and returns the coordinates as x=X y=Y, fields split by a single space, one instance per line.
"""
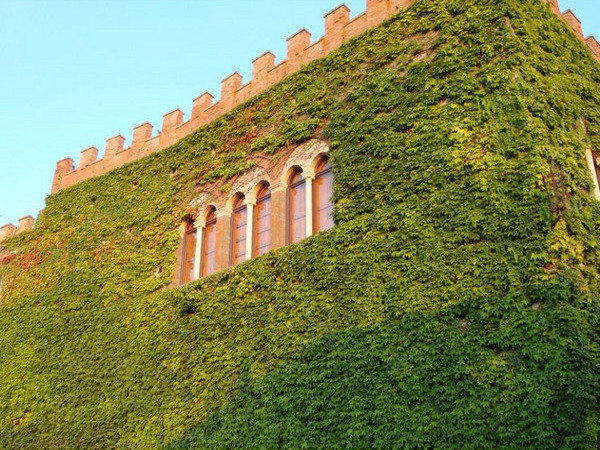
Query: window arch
x=296 y=216
x=189 y=252
x=322 y=193
x=209 y=244
x=238 y=230
x=261 y=230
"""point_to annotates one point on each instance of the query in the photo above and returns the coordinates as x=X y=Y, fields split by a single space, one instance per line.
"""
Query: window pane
x=209 y=251
x=239 y=235
x=262 y=226
x=189 y=255
x=323 y=205
x=298 y=212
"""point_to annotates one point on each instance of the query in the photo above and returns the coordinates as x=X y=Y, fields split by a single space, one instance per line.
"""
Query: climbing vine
x=455 y=302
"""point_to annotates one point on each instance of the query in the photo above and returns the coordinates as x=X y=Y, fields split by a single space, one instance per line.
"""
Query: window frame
x=289 y=210
x=328 y=169
x=190 y=229
x=233 y=232
x=210 y=222
x=261 y=199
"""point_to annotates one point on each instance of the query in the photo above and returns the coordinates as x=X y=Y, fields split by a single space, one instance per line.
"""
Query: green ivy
x=455 y=303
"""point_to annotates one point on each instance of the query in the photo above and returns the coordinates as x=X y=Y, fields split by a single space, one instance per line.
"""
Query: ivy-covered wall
x=455 y=303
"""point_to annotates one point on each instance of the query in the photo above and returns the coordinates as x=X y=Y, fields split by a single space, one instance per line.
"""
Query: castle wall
x=265 y=73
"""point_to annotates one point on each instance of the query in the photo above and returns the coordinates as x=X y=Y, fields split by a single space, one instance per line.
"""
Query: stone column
x=278 y=215
x=250 y=204
x=200 y=225
x=308 y=180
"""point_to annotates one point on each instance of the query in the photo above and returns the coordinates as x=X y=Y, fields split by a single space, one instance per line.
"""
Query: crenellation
x=335 y=23
x=88 y=156
x=297 y=45
x=141 y=134
x=356 y=26
x=278 y=73
x=171 y=120
x=245 y=93
x=63 y=167
x=25 y=224
x=300 y=51
x=315 y=51
x=574 y=22
x=261 y=67
x=594 y=47
x=201 y=104
x=377 y=11
x=554 y=6
x=114 y=145
x=229 y=87
x=7 y=231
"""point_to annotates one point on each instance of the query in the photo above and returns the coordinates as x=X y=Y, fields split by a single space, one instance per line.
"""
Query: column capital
x=308 y=175
x=224 y=212
x=200 y=222
x=278 y=187
x=250 y=201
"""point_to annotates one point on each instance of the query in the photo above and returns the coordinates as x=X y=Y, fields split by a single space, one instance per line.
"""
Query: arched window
x=262 y=222
x=322 y=192
x=296 y=208
x=238 y=231
x=189 y=253
x=209 y=244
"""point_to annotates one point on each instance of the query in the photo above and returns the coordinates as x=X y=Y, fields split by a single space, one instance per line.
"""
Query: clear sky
x=76 y=72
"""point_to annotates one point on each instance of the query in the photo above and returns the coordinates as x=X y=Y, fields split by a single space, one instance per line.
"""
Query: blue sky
x=76 y=72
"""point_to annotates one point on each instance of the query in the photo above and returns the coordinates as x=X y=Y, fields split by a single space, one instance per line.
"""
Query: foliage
x=455 y=301
x=412 y=384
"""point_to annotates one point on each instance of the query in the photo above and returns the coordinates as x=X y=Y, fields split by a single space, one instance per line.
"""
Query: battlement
x=301 y=50
x=25 y=224
x=339 y=27
x=265 y=73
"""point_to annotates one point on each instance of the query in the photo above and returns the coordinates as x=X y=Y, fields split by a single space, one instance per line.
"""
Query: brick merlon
x=64 y=161
x=176 y=110
x=342 y=6
x=571 y=13
x=204 y=95
x=25 y=224
x=7 y=231
x=303 y=30
x=234 y=74
x=267 y=53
